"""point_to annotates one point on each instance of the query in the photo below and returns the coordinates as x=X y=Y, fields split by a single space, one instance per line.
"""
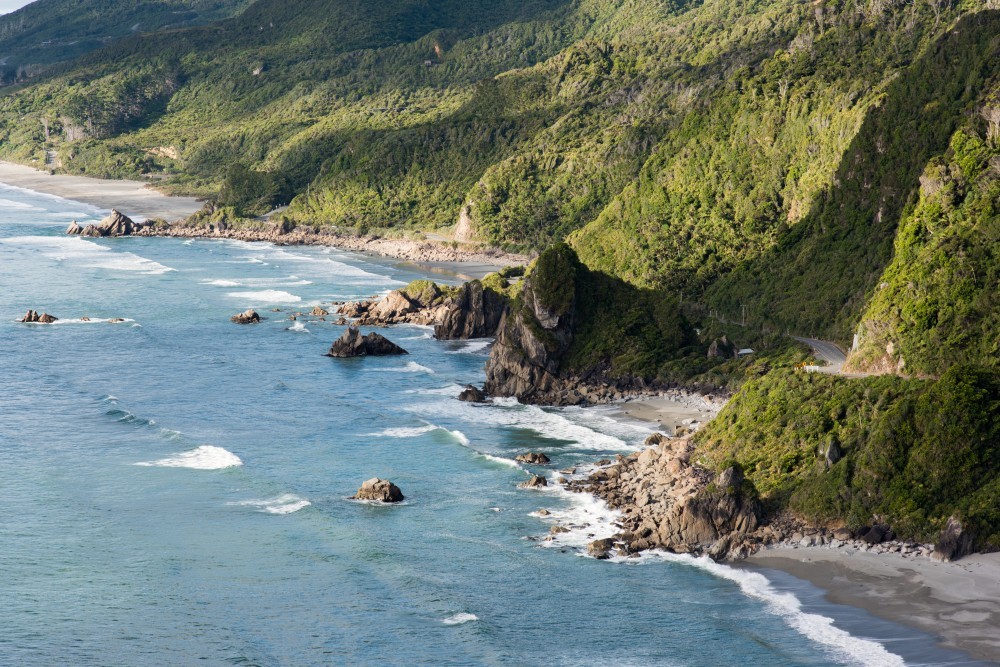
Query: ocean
x=174 y=487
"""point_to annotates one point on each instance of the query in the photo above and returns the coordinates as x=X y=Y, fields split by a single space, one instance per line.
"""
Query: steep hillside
x=47 y=32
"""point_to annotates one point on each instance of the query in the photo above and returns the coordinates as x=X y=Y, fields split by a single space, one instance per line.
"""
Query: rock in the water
x=472 y=395
x=381 y=490
x=601 y=549
x=318 y=312
x=353 y=344
x=31 y=317
x=536 y=458
x=115 y=224
x=953 y=542
x=535 y=482
x=246 y=317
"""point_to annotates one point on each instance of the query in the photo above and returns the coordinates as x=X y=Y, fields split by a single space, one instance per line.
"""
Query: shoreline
x=957 y=603
x=133 y=198
x=470 y=263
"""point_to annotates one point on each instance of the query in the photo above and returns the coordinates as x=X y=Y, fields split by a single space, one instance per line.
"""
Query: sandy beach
x=958 y=602
x=670 y=412
x=133 y=198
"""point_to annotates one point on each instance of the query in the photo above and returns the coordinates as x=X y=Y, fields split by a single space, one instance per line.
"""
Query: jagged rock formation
x=115 y=224
x=32 y=317
x=379 y=490
x=535 y=458
x=476 y=312
x=472 y=395
x=353 y=344
x=671 y=503
x=536 y=481
x=246 y=317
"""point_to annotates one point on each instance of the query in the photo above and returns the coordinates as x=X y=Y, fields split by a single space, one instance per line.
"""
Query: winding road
x=828 y=352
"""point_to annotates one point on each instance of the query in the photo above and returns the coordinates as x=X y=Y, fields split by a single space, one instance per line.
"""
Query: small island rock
x=381 y=490
x=31 y=317
x=353 y=344
x=536 y=481
x=472 y=395
x=246 y=317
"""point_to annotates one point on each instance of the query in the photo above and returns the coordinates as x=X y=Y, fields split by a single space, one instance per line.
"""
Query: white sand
x=133 y=198
x=670 y=412
x=958 y=602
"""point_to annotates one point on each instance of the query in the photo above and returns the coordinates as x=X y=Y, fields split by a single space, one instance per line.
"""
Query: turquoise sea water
x=173 y=488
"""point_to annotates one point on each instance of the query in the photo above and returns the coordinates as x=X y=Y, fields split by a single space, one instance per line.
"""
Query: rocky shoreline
x=404 y=249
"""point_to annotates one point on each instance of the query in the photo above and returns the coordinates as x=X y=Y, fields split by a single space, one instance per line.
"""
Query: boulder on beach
x=536 y=481
x=381 y=490
x=536 y=458
x=953 y=542
x=472 y=395
x=353 y=344
x=246 y=317
x=32 y=317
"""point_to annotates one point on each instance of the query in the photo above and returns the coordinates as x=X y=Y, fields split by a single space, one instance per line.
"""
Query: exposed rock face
x=535 y=482
x=670 y=503
x=472 y=395
x=721 y=348
x=318 y=312
x=353 y=344
x=246 y=317
x=535 y=458
x=601 y=549
x=475 y=313
x=31 y=317
x=953 y=542
x=379 y=490
x=425 y=307
x=525 y=361
x=115 y=224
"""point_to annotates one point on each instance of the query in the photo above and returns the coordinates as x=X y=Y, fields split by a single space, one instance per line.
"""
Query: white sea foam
x=327 y=265
x=10 y=204
x=76 y=251
x=450 y=390
x=511 y=463
x=266 y=296
x=298 y=327
x=405 y=432
x=548 y=423
x=459 y=619
x=461 y=437
x=410 y=367
x=424 y=336
x=473 y=346
x=843 y=645
x=585 y=517
x=290 y=281
x=206 y=457
x=283 y=504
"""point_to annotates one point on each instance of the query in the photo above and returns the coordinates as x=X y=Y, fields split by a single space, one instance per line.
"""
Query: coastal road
x=827 y=351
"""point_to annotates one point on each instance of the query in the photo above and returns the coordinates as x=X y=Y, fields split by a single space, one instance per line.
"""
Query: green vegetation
x=914 y=452
x=938 y=302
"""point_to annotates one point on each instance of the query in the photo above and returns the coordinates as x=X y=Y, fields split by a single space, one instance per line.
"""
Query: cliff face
x=475 y=312
x=527 y=360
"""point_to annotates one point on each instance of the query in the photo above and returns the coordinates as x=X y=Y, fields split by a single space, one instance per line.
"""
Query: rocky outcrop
x=318 y=311
x=32 y=317
x=953 y=542
x=379 y=490
x=526 y=360
x=475 y=312
x=534 y=458
x=246 y=317
x=671 y=503
x=116 y=224
x=536 y=481
x=721 y=348
x=353 y=344
x=472 y=395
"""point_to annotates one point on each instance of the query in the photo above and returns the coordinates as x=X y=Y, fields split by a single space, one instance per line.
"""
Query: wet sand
x=958 y=602
x=133 y=198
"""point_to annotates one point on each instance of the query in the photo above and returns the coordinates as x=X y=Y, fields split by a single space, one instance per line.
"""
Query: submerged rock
x=246 y=317
x=536 y=458
x=31 y=317
x=353 y=344
x=381 y=490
